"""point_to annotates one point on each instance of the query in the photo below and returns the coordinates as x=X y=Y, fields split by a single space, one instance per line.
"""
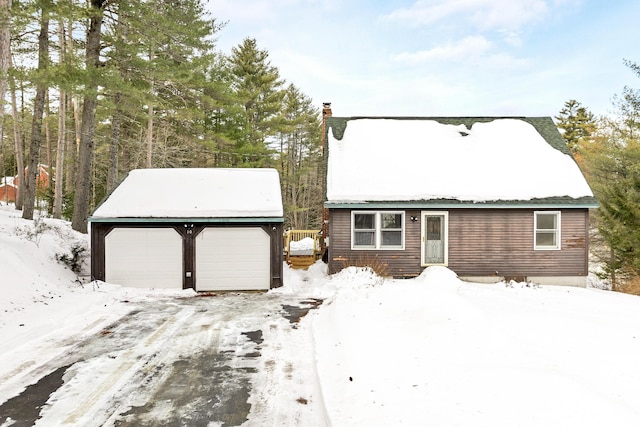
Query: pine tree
x=258 y=86
x=618 y=217
x=5 y=38
x=300 y=160
x=83 y=177
x=612 y=167
x=578 y=125
x=38 y=112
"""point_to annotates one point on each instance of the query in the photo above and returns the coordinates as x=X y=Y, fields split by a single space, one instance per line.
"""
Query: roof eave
x=560 y=203
x=200 y=220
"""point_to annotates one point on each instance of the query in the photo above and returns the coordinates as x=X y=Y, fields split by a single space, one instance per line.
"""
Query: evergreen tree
x=29 y=184
x=300 y=160
x=223 y=117
x=578 y=125
x=5 y=38
x=618 y=190
x=257 y=85
x=81 y=203
x=612 y=167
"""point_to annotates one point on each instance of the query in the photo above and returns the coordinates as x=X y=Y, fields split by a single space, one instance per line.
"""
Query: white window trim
x=377 y=232
x=423 y=237
x=558 y=245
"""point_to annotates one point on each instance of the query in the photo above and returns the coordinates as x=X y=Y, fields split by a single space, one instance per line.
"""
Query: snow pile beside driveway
x=438 y=351
x=40 y=295
x=351 y=349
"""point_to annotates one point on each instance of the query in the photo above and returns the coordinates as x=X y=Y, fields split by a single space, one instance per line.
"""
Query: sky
x=443 y=57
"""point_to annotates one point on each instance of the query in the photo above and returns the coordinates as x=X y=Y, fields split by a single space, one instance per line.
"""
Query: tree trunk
x=116 y=122
x=150 y=135
x=73 y=142
x=150 y=122
x=60 y=152
x=17 y=140
x=85 y=153
x=36 y=123
x=60 y=144
x=5 y=38
x=72 y=146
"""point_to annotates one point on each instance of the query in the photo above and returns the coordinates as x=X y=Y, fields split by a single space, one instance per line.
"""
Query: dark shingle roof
x=543 y=125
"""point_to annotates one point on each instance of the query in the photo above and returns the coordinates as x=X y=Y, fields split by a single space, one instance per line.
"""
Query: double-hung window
x=546 y=230
x=377 y=230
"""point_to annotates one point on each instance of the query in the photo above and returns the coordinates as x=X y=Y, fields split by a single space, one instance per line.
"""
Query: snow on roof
x=7 y=180
x=195 y=193
x=422 y=159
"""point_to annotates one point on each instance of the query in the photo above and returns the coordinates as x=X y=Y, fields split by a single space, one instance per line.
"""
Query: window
x=364 y=230
x=546 y=230
x=377 y=230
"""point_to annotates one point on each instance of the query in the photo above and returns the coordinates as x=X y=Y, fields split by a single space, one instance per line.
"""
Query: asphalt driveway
x=185 y=361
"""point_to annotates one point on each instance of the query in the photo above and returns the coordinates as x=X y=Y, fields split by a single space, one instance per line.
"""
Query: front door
x=434 y=238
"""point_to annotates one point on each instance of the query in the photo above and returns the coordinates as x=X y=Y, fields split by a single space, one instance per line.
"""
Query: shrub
x=75 y=260
x=372 y=261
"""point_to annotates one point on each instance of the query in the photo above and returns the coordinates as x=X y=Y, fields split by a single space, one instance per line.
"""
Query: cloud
x=469 y=47
x=501 y=15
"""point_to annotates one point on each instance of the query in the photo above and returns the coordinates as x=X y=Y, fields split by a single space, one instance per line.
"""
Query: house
x=9 y=184
x=206 y=229
x=8 y=190
x=488 y=197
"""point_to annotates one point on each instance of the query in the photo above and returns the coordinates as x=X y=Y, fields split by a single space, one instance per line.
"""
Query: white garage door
x=233 y=259
x=144 y=257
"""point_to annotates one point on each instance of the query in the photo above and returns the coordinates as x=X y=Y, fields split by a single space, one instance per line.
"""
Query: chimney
x=326 y=112
x=326 y=109
x=324 y=238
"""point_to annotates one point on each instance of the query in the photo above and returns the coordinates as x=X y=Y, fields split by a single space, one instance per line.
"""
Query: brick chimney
x=326 y=112
x=324 y=238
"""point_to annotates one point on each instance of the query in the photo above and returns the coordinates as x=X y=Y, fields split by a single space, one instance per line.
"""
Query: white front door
x=434 y=238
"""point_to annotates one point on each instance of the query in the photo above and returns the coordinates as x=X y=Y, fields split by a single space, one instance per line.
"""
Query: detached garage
x=206 y=229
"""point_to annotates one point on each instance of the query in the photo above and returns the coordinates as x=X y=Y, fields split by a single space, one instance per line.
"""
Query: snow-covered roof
x=7 y=180
x=195 y=193
x=466 y=160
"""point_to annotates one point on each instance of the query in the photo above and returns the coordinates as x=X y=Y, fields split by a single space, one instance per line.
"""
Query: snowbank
x=438 y=351
x=433 y=350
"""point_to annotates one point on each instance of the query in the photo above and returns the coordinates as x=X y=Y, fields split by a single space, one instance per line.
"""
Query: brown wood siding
x=500 y=243
x=399 y=263
x=482 y=242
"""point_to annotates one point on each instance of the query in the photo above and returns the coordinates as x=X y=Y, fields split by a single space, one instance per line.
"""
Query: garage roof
x=195 y=193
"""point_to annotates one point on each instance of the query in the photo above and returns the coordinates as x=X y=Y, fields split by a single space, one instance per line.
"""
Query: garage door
x=144 y=257
x=233 y=259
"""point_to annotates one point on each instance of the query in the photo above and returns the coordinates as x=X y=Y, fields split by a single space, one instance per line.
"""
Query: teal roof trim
x=235 y=220
x=547 y=203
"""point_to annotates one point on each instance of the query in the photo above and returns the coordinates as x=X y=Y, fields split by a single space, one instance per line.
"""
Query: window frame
x=557 y=231
x=378 y=231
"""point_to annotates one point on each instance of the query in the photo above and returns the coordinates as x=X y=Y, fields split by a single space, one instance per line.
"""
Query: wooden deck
x=301 y=261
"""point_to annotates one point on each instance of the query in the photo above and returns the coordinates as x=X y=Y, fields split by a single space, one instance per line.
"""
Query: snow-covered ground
x=426 y=351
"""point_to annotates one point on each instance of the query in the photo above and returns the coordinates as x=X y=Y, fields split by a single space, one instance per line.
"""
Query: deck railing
x=296 y=236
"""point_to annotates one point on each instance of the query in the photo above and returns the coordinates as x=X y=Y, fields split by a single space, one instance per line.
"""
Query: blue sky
x=443 y=57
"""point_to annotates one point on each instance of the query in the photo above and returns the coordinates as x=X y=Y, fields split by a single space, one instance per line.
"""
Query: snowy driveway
x=171 y=361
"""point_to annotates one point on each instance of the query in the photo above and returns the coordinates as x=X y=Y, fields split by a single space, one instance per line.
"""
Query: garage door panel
x=233 y=259
x=144 y=257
